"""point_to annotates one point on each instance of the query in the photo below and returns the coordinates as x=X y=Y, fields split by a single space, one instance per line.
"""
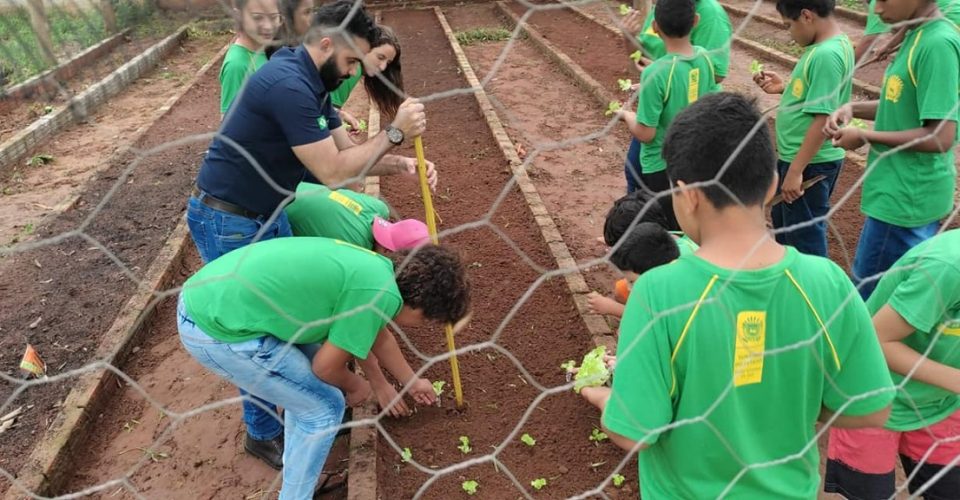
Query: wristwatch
x=394 y=134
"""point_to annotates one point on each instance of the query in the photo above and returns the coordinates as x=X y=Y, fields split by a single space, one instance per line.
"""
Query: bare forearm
x=812 y=142
x=388 y=165
x=350 y=162
x=371 y=369
x=643 y=133
x=902 y=359
x=339 y=376
x=922 y=140
x=391 y=358
x=865 y=110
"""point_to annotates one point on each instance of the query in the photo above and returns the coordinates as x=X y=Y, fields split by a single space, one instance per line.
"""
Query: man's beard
x=329 y=74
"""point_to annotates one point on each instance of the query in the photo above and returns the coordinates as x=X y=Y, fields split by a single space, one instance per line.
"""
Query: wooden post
x=41 y=27
x=109 y=16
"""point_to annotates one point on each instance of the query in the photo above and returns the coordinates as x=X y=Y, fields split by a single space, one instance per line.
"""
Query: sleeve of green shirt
x=640 y=400
x=930 y=289
x=824 y=75
x=936 y=68
x=232 y=76
x=714 y=36
x=650 y=100
x=361 y=314
x=863 y=368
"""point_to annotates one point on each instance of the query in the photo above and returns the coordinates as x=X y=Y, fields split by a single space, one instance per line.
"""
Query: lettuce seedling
x=618 y=480
x=613 y=107
x=438 y=387
x=406 y=455
x=625 y=84
x=593 y=371
x=568 y=365
x=856 y=122
x=464 y=445
x=528 y=439
x=636 y=56
x=624 y=9
x=362 y=126
x=597 y=435
x=756 y=67
x=538 y=483
x=470 y=486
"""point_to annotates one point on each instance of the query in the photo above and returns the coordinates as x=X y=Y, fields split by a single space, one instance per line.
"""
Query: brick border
x=21 y=144
x=572 y=69
x=48 y=81
x=49 y=462
x=600 y=331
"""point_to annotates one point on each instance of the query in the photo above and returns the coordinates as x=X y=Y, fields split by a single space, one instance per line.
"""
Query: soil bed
x=61 y=297
x=546 y=331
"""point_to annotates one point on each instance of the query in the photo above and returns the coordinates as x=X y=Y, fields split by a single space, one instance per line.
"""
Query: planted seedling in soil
x=618 y=480
x=597 y=436
x=40 y=160
x=464 y=445
x=438 y=389
x=613 y=107
x=624 y=9
x=528 y=439
x=538 y=483
x=625 y=84
x=593 y=371
x=406 y=455
x=756 y=67
x=470 y=487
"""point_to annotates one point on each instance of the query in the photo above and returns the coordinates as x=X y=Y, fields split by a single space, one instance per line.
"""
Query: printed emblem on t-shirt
x=952 y=327
x=893 y=88
x=322 y=122
x=349 y=204
x=797 y=88
x=693 y=85
x=748 y=356
x=651 y=32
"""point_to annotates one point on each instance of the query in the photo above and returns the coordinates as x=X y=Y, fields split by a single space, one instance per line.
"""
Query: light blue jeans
x=271 y=368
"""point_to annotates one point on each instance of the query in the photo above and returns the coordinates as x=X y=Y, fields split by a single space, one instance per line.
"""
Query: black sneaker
x=269 y=450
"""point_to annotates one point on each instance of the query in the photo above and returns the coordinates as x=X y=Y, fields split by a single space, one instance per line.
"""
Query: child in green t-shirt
x=821 y=81
x=668 y=85
x=910 y=176
x=257 y=24
x=916 y=311
x=738 y=350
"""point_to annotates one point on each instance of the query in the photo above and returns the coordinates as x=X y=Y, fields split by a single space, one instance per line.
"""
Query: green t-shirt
x=713 y=33
x=684 y=243
x=668 y=85
x=923 y=286
x=820 y=83
x=875 y=25
x=238 y=64
x=300 y=290
x=340 y=95
x=907 y=188
x=343 y=214
x=689 y=357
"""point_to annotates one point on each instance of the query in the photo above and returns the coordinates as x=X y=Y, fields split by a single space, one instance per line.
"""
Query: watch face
x=394 y=135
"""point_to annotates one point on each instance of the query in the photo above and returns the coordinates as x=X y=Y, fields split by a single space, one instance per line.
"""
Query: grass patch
x=857 y=5
x=479 y=35
x=790 y=47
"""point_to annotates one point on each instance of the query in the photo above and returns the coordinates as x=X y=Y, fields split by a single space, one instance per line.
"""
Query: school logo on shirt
x=322 y=122
x=797 y=89
x=748 y=355
x=349 y=204
x=952 y=327
x=693 y=85
x=651 y=32
x=893 y=88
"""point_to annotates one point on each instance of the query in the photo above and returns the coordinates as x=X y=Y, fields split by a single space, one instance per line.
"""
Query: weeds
x=479 y=35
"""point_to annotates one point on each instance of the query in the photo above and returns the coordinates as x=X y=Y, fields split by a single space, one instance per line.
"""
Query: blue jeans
x=216 y=233
x=268 y=366
x=808 y=237
x=631 y=166
x=881 y=244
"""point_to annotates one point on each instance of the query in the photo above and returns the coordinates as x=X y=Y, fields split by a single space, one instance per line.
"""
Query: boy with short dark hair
x=669 y=84
x=738 y=350
x=821 y=81
x=916 y=311
x=910 y=176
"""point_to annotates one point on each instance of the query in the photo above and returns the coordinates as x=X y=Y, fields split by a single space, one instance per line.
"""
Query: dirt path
x=545 y=331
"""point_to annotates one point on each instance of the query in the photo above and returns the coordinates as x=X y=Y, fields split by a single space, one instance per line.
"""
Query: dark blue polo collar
x=309 y=69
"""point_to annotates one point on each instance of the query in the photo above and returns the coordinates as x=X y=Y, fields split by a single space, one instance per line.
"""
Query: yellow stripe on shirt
x=686 y=328
x=836 y=358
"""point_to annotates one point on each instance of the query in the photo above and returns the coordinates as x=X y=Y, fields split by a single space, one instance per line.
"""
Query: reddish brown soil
x=75 y=289
x=18 y=113
x=576 y=37
x=545 y=331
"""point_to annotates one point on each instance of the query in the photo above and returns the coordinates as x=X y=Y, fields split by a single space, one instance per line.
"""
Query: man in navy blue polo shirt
x=280 y=126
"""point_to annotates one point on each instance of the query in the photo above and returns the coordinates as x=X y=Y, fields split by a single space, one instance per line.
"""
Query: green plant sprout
x=528 y=439
x=597 y=436
x=636 y=56
x=538 y=483
x=856 y=122
x=593 y=370
x=470 y=486
x=568 y=365
x=406 y=455
x=624 y=9
x=438 y=387
x=625 y=84
x=361 y=126
x=40 y=160
x=618 y=480
x=756 y=67
x=464 y=445
x=612 y=108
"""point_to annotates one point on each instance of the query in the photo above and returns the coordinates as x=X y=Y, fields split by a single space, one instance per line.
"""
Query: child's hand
x=769 y=81
x=422 y=392
x=628 y=117
x=849 y=138
x=599 y=304
x=837 y=120
x=633 y=23
x=792 y=187
x=597 y=396
x=610 y=361
x=385 y=393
